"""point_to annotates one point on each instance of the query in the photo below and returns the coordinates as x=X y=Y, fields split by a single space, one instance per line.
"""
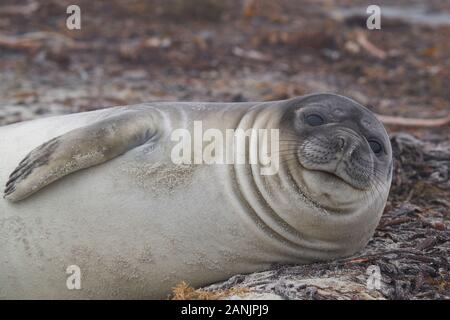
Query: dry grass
x=183 y=291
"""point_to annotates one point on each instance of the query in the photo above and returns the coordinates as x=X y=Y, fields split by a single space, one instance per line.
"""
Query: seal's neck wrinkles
x=283 y=207
x=273 y=204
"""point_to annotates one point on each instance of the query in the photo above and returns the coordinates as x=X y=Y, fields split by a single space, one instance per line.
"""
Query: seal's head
x=342 y=150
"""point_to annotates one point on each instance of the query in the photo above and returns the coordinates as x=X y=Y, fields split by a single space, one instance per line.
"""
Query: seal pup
x=100 y=191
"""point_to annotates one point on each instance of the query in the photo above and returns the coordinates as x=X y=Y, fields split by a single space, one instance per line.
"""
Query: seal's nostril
x=351 y=151
x=341 y=142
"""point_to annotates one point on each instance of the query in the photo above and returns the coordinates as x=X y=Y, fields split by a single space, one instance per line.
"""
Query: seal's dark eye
x=375 y=146
x=314 y=120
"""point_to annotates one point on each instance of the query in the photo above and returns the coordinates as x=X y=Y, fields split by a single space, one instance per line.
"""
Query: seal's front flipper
x=79 y=149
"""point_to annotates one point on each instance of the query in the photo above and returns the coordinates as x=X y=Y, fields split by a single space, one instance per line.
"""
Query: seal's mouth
x=338 y=157
x=328 y=190
x=332 y=178
x=335 y=178
x=337 y=173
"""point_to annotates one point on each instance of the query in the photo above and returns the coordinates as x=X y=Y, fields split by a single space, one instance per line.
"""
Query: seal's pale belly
x=167 y=244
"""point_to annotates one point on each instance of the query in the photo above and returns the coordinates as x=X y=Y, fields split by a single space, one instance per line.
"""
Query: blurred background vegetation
x=237 y=50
